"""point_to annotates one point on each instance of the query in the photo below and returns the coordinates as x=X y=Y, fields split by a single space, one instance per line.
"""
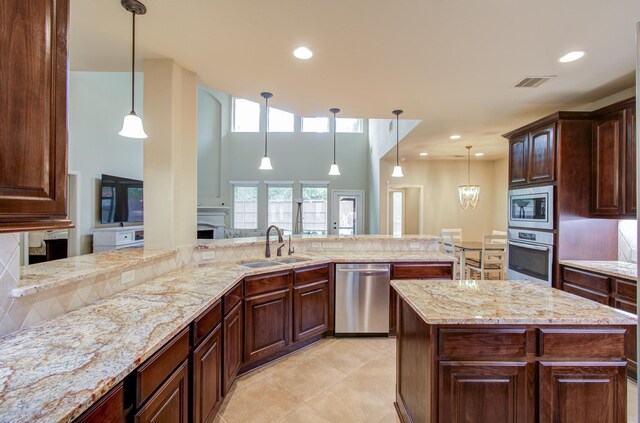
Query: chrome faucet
x=267 y=252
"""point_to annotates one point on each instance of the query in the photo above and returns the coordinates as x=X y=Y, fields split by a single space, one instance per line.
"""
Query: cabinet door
x=33 y=120
x=518 y=160
x=207 y=377
x=170 y=402
x=486 y=392
x=590 y=393
x=607 y=166
x=109 y=409
x=310 y=310
x=541 y=163
x=232 y=334
x=630 y=162
x=267 y=324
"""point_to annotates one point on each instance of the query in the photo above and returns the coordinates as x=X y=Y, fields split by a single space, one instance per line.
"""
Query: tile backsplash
x=628 y=241
x=9 y=272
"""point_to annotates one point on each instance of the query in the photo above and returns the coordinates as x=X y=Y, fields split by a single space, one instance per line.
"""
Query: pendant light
x=469 y=195
x=265 y=163
x=334 y=170
x=132 y=125
x=397 y=170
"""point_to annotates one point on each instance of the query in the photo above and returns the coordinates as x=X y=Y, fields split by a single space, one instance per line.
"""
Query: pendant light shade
x=469 y=195
x=265 y=163
x=334 y=170
x=397 y=170
x=132 y=125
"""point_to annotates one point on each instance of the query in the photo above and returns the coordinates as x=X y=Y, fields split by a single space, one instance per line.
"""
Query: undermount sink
x=258 y=264
x=289 y=260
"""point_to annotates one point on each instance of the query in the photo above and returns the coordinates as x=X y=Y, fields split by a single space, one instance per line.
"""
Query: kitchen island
x=508 y=351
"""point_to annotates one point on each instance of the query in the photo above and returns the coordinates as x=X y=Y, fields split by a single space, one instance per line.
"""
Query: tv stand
x=116 y=238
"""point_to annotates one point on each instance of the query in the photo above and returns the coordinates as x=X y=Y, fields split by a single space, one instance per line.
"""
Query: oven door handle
x=530 y=246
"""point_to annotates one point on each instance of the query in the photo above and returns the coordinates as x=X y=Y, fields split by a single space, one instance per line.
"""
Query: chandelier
x=469 y=195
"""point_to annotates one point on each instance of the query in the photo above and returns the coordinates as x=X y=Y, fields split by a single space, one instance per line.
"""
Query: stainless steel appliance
x=362 y=299
x=530 y=255
x=531 y=207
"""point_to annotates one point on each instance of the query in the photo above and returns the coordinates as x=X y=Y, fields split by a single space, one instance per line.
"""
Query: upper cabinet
x=518 y=157
x=33 y=128
x=540 y=166
x=613 y=165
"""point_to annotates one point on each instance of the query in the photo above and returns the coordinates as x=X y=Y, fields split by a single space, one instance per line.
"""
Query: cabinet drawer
x=232 y=298
x=627 y=306
x=110 y=408
x=482 y=342
x=311 y=274
x=171 y=402
x=581 y=342
x=206 y=322
x=124 y=237
x=625 y=290
x=421 y=271
x=259 y=284
x=157 y=368
x=586 y=280
x=585 y=293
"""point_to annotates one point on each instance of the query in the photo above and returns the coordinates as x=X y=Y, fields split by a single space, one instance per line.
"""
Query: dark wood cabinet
x=486 y=392
x=111 y=408
x=613 y=166
x=518 y=158
x=207 y=377
x=170 y=403
x=310 y=310
x=541 y=162
x=267 y=324
x=232 y=346
x=582 y=392
x=33 y=101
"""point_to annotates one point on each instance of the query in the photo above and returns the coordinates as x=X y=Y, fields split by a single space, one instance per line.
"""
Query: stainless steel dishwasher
x=362 y=299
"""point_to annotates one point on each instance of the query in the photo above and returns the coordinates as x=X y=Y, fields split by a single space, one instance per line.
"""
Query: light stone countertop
x=55 y=370
x=503 y=302
x=617 y=269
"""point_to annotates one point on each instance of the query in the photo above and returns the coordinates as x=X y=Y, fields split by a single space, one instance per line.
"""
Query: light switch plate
x=208 y=255
x=127 y=277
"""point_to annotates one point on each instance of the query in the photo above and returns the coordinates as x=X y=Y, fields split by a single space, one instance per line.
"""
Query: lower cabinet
x=207 y=377
x=587 y=393
x=486 y=392
x=110 y=409
x=170 y=403
x=310 y=310
x=232 y=345
x=267 y=324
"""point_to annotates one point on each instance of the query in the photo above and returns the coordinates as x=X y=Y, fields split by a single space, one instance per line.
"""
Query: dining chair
x=500 y=241
x=454 y=233
x=446 y=246
x=491 y=259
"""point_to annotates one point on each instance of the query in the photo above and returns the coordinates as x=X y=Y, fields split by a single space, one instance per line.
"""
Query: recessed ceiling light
x=455 y=137
x=303 y=53
x=571 y=56
x=479 y=154
x=424 y=154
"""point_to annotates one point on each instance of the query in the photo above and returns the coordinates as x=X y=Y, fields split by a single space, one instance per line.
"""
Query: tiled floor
x=335 y=380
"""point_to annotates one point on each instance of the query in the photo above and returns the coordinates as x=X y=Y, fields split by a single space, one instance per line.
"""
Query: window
x=280 y=206
x=315 y=124
x=280 y=121
x=245 y=207
x=314 y=209
x=246 y=116
x=349 y=125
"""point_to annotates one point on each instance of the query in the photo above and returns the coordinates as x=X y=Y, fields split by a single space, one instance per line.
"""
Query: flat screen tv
x=121 y=200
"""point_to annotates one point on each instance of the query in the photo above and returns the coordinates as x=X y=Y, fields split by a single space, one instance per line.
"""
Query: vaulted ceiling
x=451 y=64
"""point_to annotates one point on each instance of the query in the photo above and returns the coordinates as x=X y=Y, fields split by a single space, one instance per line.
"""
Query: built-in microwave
x=531 y=207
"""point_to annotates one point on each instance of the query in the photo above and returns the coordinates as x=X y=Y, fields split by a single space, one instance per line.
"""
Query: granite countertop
x=504 y=302
x=618 y=269
x=55 y=370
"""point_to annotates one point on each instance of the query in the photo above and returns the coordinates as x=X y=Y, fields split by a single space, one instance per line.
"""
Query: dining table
x=465 y=247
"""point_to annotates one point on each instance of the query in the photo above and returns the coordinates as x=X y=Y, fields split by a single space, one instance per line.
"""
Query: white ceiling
x=450 y=63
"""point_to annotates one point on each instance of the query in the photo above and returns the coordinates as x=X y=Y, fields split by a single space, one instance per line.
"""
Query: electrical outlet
x=414 y=245
x=208 y=255
x=127 y=277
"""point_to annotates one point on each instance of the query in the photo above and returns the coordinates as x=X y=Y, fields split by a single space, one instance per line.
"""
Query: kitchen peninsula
x=508 y=351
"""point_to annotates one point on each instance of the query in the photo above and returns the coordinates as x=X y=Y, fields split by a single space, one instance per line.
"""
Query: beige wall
x=440 y=180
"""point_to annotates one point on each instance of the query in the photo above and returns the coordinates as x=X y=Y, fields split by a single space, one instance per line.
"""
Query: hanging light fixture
x=469 y=195
x=132 y=125
x=334 y=170
x=397 y=170
x=265 y=163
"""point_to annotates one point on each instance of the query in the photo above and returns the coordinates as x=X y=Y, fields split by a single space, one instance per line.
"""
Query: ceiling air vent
x=533 y=81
